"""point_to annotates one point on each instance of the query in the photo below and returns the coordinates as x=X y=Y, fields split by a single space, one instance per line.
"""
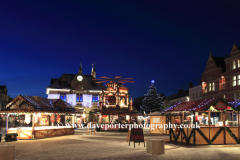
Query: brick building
x=221 y=78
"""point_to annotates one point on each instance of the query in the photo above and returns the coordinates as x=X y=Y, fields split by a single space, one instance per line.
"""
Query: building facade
x=4 y=98
x=221 y=78
x=195 y=93
x=81 y=91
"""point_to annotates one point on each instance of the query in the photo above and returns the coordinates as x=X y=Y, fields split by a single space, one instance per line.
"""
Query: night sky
x=168 y=41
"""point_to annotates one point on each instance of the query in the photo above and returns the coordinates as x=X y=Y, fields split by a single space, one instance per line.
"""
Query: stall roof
x=236 y=104
x=157 y=113
x=36 y=103
x=190 y=106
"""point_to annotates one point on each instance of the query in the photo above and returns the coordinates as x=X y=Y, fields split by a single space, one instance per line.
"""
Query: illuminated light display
x=87 y=100
x=152 y=81
x=54 y=96
x=27 y=118
x=71 y=99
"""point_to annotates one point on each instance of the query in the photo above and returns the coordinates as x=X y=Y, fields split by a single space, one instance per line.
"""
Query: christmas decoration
x=152 y=101
x=58 y=118
x=52 y=118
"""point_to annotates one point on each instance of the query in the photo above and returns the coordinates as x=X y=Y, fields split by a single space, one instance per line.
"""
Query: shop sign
x=220 y=106
x=136 y=136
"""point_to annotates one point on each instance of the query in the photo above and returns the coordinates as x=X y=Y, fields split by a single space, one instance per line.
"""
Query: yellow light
x=84 y=115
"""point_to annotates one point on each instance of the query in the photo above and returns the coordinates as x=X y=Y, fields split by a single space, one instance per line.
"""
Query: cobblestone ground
x=112 y=145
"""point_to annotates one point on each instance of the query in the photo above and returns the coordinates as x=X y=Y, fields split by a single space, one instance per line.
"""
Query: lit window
x=63 y=96
x=238 y=80
x=210 y=87
x=238 y=63
x=224 y=96
x=205 y=89
x=79 y=97
x=234 y=65
x=213 y=86
x=234 y=81
x=95 y=98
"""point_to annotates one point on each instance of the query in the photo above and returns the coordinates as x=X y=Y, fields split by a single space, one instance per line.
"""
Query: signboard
x=220 y=106
x=156 y=120
x=136 y=136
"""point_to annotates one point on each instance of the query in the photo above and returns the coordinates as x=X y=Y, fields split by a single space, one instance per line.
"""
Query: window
x=234 y=65
x=234 y=96
x=63 y=96
x=224 y=96
x=95 y=98
x=210 y=87
x=79 y=97
x=205 y=89
x=213 y=86
x=238 y=63
x=196 y=94
x=234 y=81
x=238 y=83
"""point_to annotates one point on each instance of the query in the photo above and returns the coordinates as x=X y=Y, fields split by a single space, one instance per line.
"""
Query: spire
x=93 y=73
x=80 y=67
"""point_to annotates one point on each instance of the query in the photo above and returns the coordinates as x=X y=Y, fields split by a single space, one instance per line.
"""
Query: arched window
x=210 y=87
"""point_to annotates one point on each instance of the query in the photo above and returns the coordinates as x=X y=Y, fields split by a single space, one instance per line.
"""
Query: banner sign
x=220 y=106
x=136 y=136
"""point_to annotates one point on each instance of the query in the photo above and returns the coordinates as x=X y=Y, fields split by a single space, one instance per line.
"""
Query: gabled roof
x=69 y=77
x=39 y=103
x=2 y=87
x=219 y=61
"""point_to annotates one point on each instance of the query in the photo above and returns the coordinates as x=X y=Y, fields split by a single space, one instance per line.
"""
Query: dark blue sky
x=168 y=41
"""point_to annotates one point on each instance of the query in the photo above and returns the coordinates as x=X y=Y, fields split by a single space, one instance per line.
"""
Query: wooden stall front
x=218 y=122
x=157 y=122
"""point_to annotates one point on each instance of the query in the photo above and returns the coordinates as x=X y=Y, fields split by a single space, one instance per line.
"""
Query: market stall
x=157 y=122
x=218 y=121
x=34 y=117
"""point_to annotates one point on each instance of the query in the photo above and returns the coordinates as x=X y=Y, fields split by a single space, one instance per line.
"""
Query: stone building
x=195 y=93
x=4 y=98
x=80 y=91
x=221 y=78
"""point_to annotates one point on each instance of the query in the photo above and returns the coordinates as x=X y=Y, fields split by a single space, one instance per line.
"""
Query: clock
x=79 y=78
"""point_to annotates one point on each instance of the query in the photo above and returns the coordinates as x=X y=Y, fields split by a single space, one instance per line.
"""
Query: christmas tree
x=152 y=100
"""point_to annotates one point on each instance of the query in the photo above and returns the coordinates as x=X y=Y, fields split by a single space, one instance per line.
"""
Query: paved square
x=112 y=145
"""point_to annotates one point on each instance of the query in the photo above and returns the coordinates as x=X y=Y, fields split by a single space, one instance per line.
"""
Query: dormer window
x=234 y=65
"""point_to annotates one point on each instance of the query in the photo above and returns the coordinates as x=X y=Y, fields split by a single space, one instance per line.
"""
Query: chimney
x=190 y=85
x=37 y=98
